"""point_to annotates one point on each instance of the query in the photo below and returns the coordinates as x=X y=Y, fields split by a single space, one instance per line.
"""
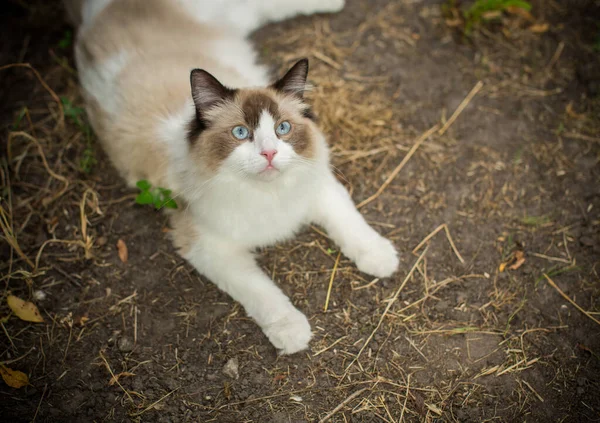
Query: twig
x=61 y=118
x=14 y=360
x=461 y=107
x=577 y=136
x=342 y=404
x=327 y=60
x=387 y=309
x=533 y=390
x=405 y=399
x=115 y=378
x=11 y=238
x=337 y=261
x=566 y=297
x=153 y=404
x=44 y=161
x=329 y=347
x=398 y=168
x=448 y=236
x=8 y=336
x=543 y=256
x=370 y=284
x=555 y=56
x=37 y=410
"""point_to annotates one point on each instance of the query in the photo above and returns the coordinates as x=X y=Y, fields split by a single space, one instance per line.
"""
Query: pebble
x=125 y=344
x=232 y=368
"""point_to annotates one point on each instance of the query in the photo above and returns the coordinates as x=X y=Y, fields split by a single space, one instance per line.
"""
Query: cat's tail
x=81 y=12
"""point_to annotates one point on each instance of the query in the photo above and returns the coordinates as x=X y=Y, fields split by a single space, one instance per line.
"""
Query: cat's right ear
x=207 y=91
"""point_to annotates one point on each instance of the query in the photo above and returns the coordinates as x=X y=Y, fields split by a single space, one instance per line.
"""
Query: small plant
x=157 y=196
x=72 y=112
x=482 y=9
x=17 y=123
x=66 y=40
x=536 y=220
x=75 y=115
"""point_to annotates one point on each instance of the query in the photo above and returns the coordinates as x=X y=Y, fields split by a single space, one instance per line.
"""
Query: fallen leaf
x=122 y=249
x=539 y=28
x=517 y=264
x=116 y=378
x=492 y=14
x=572 y=113
x=83 y=320
x=434 y=408
x=24 y=309
x=14 y=378
x=279 y=377
x=519 y=11
x=453 y=22
x=502 y=267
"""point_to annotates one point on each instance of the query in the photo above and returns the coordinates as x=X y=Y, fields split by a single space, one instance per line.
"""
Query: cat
x=175 y=95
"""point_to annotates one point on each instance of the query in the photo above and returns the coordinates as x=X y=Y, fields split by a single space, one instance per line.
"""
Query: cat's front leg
x=277 y=10
x=335 y=211
x=234 y=270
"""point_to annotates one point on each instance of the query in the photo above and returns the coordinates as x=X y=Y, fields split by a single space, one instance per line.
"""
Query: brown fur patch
x=254 y=104
x=301 y=140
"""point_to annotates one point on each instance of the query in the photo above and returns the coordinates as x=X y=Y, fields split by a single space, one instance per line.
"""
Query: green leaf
x=165 y=192
x=143 y=185
x=170 y=204
x=144 y=198
x=158 y=203
x=19 y=118
x=66 y=40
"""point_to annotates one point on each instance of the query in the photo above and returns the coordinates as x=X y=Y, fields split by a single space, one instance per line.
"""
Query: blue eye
x=284 y=127
x=240 y=132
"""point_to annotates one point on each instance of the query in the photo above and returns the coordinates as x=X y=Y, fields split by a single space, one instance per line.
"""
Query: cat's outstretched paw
x=378 y=258
x=324 y=6
x=291 y=333
x=333 y=5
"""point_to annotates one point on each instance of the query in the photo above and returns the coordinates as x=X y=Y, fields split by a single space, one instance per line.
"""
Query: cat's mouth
x=270 y=169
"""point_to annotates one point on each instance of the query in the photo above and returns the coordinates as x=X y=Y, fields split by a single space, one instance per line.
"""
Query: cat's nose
x=269 y=154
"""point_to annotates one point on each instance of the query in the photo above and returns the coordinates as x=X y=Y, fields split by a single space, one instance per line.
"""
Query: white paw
x=378 y=257
x=333 y=5
x=290 y=333
x=324 y=6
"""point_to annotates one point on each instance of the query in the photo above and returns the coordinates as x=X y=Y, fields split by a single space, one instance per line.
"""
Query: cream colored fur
x=134 y=59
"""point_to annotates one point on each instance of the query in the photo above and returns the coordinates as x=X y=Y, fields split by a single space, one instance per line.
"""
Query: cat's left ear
x=294 y=81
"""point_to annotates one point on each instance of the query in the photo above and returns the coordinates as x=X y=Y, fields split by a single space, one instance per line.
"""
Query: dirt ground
x=468 y=330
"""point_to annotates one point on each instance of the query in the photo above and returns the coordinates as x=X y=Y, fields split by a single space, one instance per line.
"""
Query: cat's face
x=260 y=133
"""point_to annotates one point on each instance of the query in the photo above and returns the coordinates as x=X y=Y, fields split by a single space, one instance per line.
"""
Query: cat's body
x=249 y=165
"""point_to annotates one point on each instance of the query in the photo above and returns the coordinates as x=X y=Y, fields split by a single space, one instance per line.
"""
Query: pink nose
x=269 y=154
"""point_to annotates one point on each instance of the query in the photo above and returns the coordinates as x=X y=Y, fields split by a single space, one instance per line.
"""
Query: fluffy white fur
x=240 y=207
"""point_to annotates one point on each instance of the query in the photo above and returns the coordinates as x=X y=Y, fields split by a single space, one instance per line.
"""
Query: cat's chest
x=255 y=218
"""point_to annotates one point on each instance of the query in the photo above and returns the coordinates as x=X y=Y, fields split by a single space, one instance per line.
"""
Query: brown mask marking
x=254 y=105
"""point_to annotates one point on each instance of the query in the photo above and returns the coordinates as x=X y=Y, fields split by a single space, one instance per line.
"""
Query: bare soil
x=473 y=334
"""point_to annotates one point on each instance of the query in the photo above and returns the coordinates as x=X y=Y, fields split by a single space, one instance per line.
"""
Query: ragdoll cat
x=247 y=165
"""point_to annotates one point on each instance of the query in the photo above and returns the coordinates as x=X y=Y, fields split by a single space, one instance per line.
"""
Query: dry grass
x=449 y=333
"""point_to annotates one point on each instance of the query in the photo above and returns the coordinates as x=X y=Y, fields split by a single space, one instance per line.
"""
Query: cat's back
x=134 y=59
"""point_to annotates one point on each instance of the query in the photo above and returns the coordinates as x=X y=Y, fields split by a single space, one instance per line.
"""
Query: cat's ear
x=207 y=91
x=294 y=81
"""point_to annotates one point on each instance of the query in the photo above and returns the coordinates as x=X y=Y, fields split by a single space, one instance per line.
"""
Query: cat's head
x=259 y=132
